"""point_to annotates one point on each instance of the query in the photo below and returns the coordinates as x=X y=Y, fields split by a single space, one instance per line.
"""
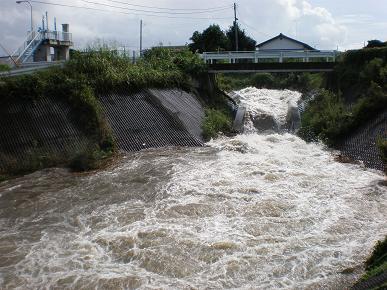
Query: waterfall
x=269 y=110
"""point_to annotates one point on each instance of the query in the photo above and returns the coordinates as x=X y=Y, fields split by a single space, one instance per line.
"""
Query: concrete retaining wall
x=154 y=118
x=43 y=127
x=147 y=119
x=361 y=145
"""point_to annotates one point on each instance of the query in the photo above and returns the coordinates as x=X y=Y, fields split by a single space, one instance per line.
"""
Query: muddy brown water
x=256 y=211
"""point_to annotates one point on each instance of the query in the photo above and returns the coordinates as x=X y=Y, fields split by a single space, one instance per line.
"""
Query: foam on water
x=249 y=212
x=268 y=110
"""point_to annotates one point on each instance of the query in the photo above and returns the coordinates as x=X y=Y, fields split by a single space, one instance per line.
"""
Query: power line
x=260 y=32
x=126 y=13
x=170 y=9
x=149 y=11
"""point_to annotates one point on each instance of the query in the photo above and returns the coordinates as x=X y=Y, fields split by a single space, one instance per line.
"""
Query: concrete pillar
x=43 y=53
x=62 y=53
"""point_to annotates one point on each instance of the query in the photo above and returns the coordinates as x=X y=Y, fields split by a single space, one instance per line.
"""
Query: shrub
x=382 y=145
x=215 y=121
x=88 y=159
x=263 y=80
x=89 y=74
x=326 y=117
x=4 y=67
x=361 y=77
x=377 y=262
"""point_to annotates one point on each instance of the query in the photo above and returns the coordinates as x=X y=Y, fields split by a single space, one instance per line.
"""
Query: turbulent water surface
x=256 y=211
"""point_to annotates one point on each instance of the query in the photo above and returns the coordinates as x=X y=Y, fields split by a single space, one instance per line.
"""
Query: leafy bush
x=89 y=74
x=107 y=71
x=375 y=43
x=361 y=77
x=89 y=159
x=34 y=159
x=326 y=117
x=303 y=82
x=215 y=121
x=382 y=145
x=377 y=262
x=264 y=80
x=4 y=67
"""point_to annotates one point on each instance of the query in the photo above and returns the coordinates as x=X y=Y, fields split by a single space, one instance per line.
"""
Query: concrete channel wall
x=44 y=127
x=361 y=144
x=147 y=119
x=154 y=118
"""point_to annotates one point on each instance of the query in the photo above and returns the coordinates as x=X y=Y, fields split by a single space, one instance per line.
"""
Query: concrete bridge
x=270 y=61
x=274 y=67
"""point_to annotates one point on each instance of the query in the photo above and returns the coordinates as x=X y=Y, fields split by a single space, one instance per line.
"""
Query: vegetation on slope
x=358 y=91
x=376 y=264
x=87 y=75
x=303 y=82
x=215 y=121
x=382 y=145
x=4 y=67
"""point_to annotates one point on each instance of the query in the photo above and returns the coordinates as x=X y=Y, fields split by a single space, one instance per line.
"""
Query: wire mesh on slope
x=42 y=126
x=142 y=120
x=361 y=145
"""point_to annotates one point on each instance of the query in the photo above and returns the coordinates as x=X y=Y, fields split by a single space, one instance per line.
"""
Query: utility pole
x=141 y=37
x=236 y=28
x=47 y=20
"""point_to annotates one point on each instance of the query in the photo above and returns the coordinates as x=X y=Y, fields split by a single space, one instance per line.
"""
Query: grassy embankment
x=376 y=264
x=357 y=91
x=94 y=72
x=4 y=67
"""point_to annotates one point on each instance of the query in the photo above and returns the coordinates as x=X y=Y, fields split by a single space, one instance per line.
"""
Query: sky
x=324 y=24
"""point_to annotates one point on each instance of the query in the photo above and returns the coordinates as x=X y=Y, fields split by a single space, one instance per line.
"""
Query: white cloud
x=301 y=19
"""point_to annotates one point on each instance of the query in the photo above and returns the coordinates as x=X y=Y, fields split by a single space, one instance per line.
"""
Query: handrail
x=29 y=36
x=266 y=51
x=330 y=55
x=28 y=46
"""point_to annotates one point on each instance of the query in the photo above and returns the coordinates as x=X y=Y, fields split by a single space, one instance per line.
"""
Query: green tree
x=245 y=42
x=375 y=43
x=211 y=39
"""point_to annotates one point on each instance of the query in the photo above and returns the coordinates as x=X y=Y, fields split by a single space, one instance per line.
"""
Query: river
x=254 y=211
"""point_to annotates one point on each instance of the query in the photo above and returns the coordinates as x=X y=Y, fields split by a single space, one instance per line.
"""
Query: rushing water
x=256 y=211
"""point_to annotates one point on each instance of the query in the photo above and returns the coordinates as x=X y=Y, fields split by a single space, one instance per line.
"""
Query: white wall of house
x=283 y=43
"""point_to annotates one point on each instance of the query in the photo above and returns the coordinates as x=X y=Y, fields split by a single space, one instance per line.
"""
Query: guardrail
x=28 y=68
x=57 y=35
x=277 y=55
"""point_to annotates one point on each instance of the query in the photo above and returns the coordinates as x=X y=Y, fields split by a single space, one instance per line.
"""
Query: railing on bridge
x=267 y=55
x=57 y=35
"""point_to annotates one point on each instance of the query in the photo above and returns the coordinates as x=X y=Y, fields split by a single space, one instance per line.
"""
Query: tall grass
x=358 y=92
x=303 y=82
x=94 y=72
x=216 y=121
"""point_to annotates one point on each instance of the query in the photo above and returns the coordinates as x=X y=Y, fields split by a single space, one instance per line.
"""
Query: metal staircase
x=26 y=51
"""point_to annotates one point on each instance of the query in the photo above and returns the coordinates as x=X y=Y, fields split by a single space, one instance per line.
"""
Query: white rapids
x=255 y=211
